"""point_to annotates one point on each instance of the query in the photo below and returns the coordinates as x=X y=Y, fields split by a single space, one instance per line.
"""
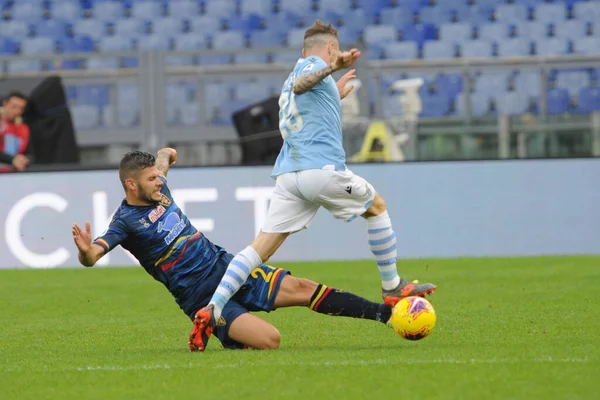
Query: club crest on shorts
x=221 y=321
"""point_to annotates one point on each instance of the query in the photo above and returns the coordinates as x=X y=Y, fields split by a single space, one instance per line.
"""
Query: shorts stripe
x=273 y=281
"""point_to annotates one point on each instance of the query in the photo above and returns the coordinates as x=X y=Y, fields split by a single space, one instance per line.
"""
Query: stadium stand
x=391 y=29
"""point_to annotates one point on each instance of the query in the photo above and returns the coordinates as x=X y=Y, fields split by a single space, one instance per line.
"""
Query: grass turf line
x=507 y=328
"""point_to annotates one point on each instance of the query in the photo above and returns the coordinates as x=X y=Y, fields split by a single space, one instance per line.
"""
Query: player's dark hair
x=134 y=162
x=315 y=33
x=17 y=94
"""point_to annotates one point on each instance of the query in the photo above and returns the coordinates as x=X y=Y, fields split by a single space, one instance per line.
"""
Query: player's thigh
x=295 y=292
x=347 y=195
x=254 y=332
x=288 y=211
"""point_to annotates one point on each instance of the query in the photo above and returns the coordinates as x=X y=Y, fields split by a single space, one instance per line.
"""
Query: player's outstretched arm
x=308 y=81
x=165 y=158
x=89 y=253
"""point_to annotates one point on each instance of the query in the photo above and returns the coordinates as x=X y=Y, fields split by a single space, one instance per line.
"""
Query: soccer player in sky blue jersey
x=311 y=172
x=151 y=226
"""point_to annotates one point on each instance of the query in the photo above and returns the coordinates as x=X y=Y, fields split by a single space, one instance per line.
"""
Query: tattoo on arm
x=162 y=163
x=306 y=82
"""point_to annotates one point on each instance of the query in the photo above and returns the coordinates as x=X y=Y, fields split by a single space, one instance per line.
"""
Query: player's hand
x=171 y=152
x=20 y=162
x=345 y=59
x=83 y=239
x=341 y=83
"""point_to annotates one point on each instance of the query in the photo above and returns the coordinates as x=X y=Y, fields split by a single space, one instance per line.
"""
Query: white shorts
x=299 y=195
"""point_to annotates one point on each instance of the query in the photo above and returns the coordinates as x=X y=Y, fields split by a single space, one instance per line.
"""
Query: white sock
x=236 y=275
x=382 y=241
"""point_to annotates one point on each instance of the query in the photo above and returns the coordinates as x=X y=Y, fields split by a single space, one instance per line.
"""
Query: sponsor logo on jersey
x=309 y=67
x=144 y=222
x=173 y=224
x=156 y=213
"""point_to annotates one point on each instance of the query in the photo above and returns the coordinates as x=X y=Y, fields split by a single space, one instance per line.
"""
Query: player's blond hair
x=317 y=32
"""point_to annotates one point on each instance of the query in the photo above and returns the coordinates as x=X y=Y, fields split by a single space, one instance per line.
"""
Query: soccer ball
x=413 y=318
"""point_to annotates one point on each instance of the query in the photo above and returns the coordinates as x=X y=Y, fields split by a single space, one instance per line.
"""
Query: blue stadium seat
x=396 y=16
x=250 y=58
x=295 y=37
x=127 y=116
x=251 y=91
x=246 y=24
x=587 y=45
x=146 y=10
x=53 y=28
x=589 y=99
x=216 y=59
x=528 y=82
x=513 y=47
x=169 y=26
x=154 y=42
x=205 y=25
x=265 y=39
x=129 y=28
x=66 y=10
x=299 y=7
x=348 y=36
x=475 y=14
x=476 y=48
x=573 y=81
x=434 y=15
x=89 y=27
x=85 y=116
x=532 y=30
x=571 y=29
x=510 y=13
x=401 y=51
x=286 y=57
x=14 y=29
x=587 y=11
x=189 y=41
x=492 y=82
x=229 y=40
x=557 y=101
x=480 y=104
x=435 y=105
x=107 y=11
x=177 y=93
x=450 y=84
x=7 y=46
x=183 y=9
x=512 y=103
x=552 y=46
x=334 y=5
x=78 y=44
x=40 y=45
x=456 y=32
x=263 y=8
x=379 y=35
x=93 y=95
x=419 y=32
x=437 y=49
x=373 y=7
x=550 y=12
x=495 y=32
x=219 y=9
x=227 y=109
x=391 y=106
x=110 y=44
x=355 y=20
x=26 y=11
x=190 y=114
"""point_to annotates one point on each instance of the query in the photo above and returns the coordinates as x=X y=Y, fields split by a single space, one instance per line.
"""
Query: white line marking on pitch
x=340 y=363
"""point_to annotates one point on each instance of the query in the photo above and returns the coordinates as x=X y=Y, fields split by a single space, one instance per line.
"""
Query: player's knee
x=376 y=208
x=272 y=340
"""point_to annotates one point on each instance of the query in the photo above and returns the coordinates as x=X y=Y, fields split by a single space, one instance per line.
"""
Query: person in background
x=14 y=134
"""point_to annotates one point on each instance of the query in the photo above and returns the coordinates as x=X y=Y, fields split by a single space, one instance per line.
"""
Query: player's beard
x=145 y=196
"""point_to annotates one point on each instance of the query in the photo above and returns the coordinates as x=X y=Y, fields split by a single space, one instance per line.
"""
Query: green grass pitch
x=513 y=328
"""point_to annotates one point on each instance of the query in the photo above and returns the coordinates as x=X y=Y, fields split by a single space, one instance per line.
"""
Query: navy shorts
x=257 y=294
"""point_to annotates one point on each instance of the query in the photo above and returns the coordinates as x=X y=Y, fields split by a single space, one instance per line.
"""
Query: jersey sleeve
x=311 y=64
x=114 y=235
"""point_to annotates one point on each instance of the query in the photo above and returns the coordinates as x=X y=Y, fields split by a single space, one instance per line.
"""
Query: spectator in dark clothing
x=14 y=134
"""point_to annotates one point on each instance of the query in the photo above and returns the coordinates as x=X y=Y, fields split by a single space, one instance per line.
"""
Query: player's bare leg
x=382 y=240
x=263 y=247
x=254 y=332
